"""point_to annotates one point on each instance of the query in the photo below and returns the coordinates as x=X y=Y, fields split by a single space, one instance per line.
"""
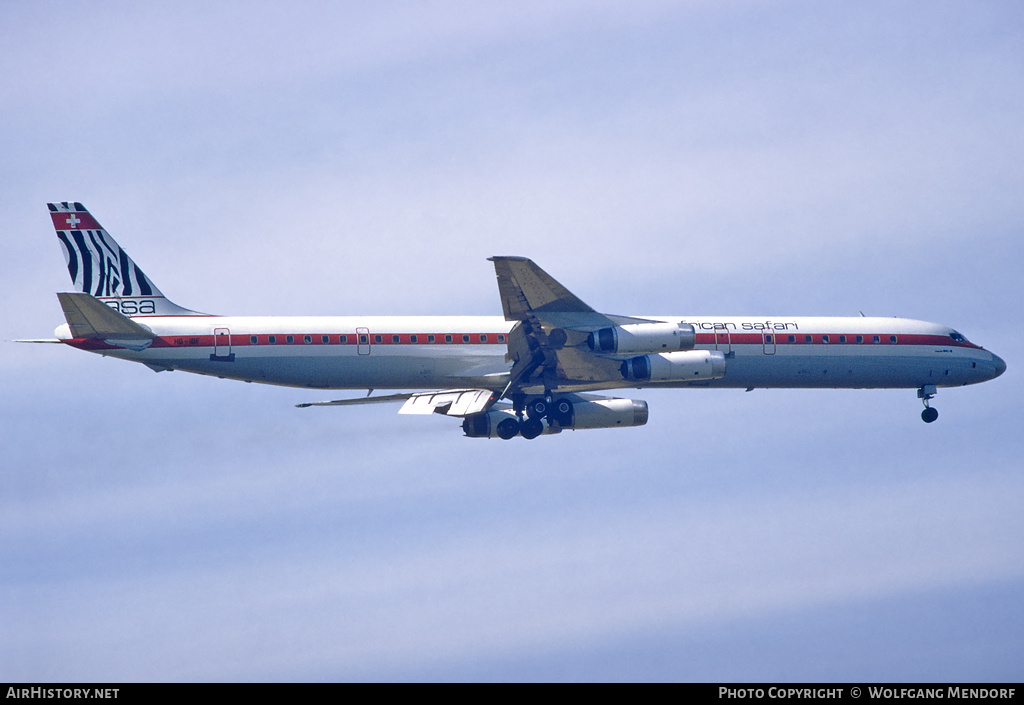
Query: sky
x=683 y=158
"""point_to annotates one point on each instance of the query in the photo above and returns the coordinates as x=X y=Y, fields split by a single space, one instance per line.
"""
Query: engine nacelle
x=688 y=365
x=643 y=338
x=609 y=413
x=597 y=413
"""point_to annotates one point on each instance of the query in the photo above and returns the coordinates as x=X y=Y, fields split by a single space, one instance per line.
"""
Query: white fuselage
x=427 y=352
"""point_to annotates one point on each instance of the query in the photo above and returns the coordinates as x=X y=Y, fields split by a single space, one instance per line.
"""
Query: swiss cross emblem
x=73 y=221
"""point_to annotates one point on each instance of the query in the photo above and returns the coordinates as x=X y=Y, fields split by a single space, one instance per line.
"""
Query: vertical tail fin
x=98 y=266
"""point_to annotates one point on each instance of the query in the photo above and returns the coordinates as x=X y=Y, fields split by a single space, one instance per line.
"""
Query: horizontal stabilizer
x=88 y=317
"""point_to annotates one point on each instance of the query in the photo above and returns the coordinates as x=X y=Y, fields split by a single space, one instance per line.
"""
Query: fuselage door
x=363 y=341
x=222 y=345
x=723 y=339
x=768 y=341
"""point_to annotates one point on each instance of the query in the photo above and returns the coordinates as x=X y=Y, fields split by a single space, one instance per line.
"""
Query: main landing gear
x=531 y=427
x=926 y=393
x=508 y=428
x=531 y=423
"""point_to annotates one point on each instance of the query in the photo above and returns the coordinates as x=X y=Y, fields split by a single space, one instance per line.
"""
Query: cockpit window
x=957 y=337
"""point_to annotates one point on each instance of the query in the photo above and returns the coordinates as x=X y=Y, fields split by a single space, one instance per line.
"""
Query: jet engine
x=643 y=338
x=597 y=413
x=688 y=365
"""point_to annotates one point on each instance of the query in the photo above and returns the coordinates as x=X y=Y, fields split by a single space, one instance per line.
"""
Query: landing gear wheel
x=532 y=427
x=536 y=409
x=508 y=428
x=562 y=412
x=926 y=394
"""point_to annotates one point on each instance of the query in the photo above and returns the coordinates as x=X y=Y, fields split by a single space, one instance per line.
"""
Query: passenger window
x=395 y=339
x=842 y=339
x=378 y=338
x=253 y=340
x=483 y=338
x=876 y=339
x=792 y=338
x=892 y=339
x=307 y=339
x=824 y=338
x=272 y=339
x=860 y=338
x=465 y=338
x=363 y=339
x=501 y=337
x=343 y=339
x=290 y=339
x=431 y=338
x=448 y=338
x=325 y=338
x=414 y=339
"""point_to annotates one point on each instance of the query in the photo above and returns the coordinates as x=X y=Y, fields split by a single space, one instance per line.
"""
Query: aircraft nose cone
x=1000 y=365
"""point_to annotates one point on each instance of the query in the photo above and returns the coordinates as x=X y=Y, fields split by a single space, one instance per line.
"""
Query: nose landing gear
x=926 y=393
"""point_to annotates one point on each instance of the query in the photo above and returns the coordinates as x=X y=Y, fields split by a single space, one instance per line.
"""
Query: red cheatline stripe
x=243 y=339
x=818 y=339
x=706 y=339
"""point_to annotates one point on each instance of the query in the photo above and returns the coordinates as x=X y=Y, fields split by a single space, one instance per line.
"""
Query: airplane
x=528 y=373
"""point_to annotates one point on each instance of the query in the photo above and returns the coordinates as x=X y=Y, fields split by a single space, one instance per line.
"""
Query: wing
x=528 y=292
x=548 y=346
x=451 y=402
x=357 y=401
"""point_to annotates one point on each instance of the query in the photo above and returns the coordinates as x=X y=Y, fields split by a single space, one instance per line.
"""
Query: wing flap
x=451 y=402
